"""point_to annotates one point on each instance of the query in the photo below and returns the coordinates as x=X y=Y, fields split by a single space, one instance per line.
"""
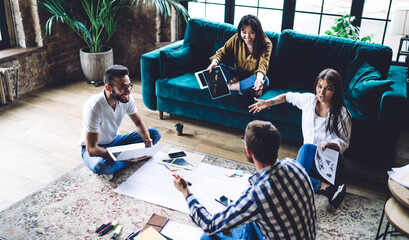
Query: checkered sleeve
x=241 y=212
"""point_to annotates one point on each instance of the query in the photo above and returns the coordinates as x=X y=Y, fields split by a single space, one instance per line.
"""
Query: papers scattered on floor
x=149 y=234
x=326 y=163
x=153 y=183
x=181 y=231
x=400 y=175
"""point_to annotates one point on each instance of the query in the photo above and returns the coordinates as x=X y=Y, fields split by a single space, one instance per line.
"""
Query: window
x=269 y=12
x=317 y=16
x=309 y=16
x=209 y=9
x=376 y=19
x=4 y=35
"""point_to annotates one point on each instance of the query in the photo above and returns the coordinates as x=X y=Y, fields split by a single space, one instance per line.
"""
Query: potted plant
x=343 y=28
x=95 y=23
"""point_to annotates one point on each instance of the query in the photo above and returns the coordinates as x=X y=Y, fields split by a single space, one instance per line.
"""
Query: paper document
x=326 y=163
x=153 y=182
x=136 y=150
x=181 y=231
x=149 y=234
x=400 y=175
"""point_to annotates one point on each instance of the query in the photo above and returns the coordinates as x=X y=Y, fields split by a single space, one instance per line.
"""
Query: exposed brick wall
x=58 y=61
x=135 y=38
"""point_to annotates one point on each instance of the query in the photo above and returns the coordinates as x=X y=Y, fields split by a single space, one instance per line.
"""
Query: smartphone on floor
x=177 y=154
x=225 y=201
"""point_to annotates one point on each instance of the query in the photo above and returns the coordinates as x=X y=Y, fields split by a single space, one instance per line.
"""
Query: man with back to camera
x=102 y=116
x=279 y=204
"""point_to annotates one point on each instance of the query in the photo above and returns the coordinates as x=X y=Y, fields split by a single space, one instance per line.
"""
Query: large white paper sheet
x=153 y=183
x=326 y=162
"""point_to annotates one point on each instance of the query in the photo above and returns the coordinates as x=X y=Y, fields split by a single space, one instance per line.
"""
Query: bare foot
x=234 y=86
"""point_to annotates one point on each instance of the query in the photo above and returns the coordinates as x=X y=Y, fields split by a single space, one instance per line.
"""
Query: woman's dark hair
x=259 y=44
x=334 y=80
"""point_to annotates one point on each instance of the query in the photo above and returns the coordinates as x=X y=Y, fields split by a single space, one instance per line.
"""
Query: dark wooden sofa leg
x=161 y=115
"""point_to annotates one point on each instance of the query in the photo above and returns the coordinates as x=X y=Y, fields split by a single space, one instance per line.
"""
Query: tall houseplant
x=95 y=23
x=344 y=28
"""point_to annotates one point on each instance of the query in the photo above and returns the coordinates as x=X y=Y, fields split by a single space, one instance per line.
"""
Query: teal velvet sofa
x=375 y=91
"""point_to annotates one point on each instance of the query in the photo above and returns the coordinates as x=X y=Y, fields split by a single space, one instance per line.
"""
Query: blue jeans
x=245 y=232
x=247 y=83
x=306 y=156
x=100 y=165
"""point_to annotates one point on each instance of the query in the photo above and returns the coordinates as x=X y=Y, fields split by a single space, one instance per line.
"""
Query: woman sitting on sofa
x=251 y=50
x=325 y=120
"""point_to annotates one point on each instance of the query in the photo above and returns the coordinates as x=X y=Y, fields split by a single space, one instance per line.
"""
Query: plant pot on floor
x=94 y=65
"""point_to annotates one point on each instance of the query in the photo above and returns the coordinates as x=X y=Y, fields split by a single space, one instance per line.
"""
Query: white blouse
x=313 y=126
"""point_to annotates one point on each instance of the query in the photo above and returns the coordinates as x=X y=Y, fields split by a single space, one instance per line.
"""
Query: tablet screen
x=216 y=83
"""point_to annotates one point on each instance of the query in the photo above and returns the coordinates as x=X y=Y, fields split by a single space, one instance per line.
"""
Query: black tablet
x=216 y=83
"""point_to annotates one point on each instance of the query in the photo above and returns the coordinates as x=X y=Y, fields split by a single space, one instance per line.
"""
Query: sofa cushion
x=283 y=112
x=300 y=57
x=364 y=72
x=186 y=89
x=206 y=37
x=366 y=96
x=175 y=61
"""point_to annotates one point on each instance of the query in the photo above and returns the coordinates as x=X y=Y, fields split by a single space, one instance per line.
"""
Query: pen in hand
x=188 y=183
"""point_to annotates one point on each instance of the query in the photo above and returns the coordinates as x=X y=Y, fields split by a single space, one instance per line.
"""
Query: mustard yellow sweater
x=243 y=61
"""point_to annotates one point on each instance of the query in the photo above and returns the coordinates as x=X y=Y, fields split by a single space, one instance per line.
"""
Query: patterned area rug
x=73 y=206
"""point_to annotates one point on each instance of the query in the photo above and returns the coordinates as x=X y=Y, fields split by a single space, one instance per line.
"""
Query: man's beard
x=118 y=97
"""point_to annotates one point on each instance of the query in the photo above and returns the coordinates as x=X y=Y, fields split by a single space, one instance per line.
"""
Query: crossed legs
x=100 y=165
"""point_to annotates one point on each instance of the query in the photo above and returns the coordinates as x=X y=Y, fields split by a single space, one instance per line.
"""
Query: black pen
x=108 y=228
x=103 y=226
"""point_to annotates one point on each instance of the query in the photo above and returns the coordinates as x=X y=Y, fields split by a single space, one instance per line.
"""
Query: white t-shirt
x=99 y=117
x=313 y=126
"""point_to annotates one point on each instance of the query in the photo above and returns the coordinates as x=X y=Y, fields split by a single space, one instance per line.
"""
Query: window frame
x=357 y=9
x=5 y=38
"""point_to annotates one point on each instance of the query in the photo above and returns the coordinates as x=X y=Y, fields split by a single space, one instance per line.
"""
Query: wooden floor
x=39 y=133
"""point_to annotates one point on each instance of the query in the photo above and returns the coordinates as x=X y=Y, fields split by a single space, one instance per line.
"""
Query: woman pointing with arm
x=325 y=120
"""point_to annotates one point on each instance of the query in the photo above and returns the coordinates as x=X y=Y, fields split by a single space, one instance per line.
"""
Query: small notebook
x=156 y=221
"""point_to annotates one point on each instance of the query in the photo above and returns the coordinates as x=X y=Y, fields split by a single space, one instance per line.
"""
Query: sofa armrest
x=150 y=70
x=393 y=101
x=391 y=110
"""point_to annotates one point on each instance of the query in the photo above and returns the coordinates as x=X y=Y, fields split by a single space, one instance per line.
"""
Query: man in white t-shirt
x=102 y=116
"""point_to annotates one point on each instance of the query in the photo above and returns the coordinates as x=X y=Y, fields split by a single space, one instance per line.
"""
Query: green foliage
x=343 y=28
x=99 y=19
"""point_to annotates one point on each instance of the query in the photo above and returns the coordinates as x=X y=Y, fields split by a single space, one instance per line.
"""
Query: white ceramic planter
x=94 y=65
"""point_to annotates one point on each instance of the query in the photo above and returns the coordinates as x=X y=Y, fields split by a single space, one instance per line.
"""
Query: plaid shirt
x=280 y=201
